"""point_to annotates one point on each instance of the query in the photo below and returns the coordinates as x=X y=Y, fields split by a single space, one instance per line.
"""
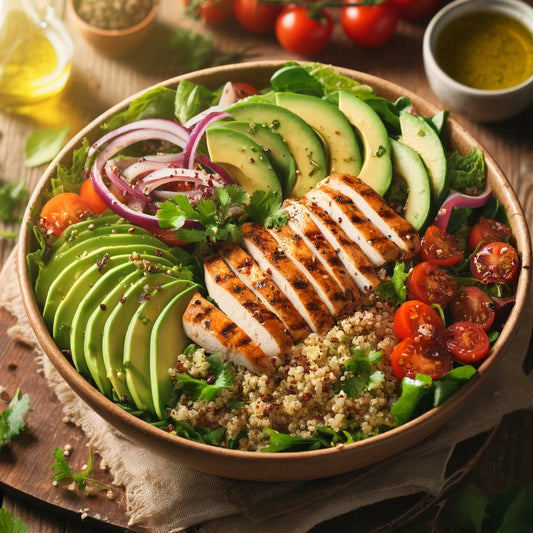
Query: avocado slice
x=87 y=284
x=303 y=142
x=408 y=165
x=167 y=341
x=377 y=165
x=137 y=342
x=104 y=342
x=273 y=146
x=244 y=159
x=332 y=125
x=424 y=140
x=98 y=245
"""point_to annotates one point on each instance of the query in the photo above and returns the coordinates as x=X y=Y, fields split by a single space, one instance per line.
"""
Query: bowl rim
x=457 y=8
x=220 y=461
x=103 y=32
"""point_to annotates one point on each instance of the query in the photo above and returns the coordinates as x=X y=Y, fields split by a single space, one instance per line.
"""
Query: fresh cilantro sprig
x=63 y=471
x=12 y=419
x=221 y=215
x=358 y=374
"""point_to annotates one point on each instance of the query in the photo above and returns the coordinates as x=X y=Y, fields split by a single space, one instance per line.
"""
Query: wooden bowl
x=299 y=465
x=113 y=43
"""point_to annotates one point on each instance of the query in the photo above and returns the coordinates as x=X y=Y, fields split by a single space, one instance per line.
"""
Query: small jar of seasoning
x=478 y=56
x=113 y=27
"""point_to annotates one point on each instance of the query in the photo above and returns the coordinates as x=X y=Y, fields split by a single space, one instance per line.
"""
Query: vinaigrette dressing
x=489 y=51
x=35 y=54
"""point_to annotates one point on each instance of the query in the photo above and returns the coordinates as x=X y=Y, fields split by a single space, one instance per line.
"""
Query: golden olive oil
x=487 y=50
x=34 y=55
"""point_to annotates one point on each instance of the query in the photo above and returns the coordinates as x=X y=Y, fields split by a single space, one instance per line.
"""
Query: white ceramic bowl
x=478 y=105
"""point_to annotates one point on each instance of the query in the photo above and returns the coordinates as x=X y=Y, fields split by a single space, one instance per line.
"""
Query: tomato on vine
x=256 y=16
x=211 y=12
x=302 y=31
x=370 y=25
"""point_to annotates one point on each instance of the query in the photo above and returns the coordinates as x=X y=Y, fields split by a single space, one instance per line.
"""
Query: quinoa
x=306 y=389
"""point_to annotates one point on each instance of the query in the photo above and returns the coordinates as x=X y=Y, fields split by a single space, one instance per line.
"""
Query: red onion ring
x=458 y=200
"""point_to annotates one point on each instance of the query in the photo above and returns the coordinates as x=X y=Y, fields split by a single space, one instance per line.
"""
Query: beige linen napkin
x=164 y=497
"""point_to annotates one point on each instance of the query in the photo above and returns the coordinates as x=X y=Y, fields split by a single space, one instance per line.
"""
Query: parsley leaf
x=12 y=194
x=43 y=145
x=10 y=524
x=394 y=289
x=266 y=208
x=63 y=471
x=358 y=374
x=200 y=389
x=12 y=419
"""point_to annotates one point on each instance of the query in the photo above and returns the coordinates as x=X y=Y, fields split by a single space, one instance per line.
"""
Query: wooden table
x=97 y=82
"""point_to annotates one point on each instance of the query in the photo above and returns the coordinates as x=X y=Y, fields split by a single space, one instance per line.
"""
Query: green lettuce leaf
x=467 y=173
x=191 y=99
x=394 y=290
x=70 y=179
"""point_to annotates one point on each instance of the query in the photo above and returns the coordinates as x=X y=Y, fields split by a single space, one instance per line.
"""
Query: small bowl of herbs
x=478 y=57
x=113 y=27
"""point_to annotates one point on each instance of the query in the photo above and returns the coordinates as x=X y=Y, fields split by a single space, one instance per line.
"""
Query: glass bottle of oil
x=35 y=53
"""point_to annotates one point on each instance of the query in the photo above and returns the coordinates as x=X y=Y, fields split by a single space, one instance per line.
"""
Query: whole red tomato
x=212 y=12
x=256 y=16
x=417 y=9
x=370 y=25
x=302 y=32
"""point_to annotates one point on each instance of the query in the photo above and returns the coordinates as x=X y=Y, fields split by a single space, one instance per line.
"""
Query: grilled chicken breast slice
x=237 y=301
x=301 y=222
x=376 y=246
x=374 y=206
x=210 y=328
x=265 y=289
x=357 y=264
x=291 y=281
x=328 y=290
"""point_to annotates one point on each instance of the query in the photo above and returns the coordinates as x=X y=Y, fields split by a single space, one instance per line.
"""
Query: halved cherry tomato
x=235 y=90
x=466 y=342
x=91 y=197
x=370 y=25
x=473 y=305
x=488 y=230
x=440 y=247
x=300 y=33
x=414 y=356
x=418 y=320
x=63 y=210
x=256 y=16
x=416 y=9
x=431 y=284
x=497 y=262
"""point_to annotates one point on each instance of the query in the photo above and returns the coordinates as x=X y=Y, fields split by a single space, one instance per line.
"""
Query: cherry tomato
x=300 y=34
x=466 y=342
x=416 y=9
x=488 y=230
x=473 y=305
x=256 y=16
x=370 y=25
x=439 y=247
x=234 y=91
x=63 y=210
x=414 y=356
x=212 y=12
x=418 y=320
x=496 y=262
x=91 y=197
x=431 y=284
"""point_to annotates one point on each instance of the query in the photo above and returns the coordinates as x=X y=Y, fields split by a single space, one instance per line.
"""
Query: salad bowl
x=299 y=465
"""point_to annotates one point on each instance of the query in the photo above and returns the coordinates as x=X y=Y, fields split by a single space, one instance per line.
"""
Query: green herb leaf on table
x=10 y=524
x=43 y=145
x=470 y=507
x=12 y=419
x=12 y=195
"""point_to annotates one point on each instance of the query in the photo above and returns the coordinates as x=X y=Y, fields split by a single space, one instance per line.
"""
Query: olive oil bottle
x=35 y=53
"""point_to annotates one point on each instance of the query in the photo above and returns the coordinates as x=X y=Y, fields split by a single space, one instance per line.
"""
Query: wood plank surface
x=98 y=82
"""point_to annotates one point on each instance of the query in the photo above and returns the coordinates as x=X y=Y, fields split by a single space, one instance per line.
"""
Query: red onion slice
x=458 y=200
x=217 y=169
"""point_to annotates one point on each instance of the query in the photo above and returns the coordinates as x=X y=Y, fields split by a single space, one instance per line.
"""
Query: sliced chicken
x=374 y=206
x=375 y=245
x=301 y=222
x=210 y=328
x=357 y=264
x=291 y=281
x=235 y=299
x=328 y=290
x=265 y=289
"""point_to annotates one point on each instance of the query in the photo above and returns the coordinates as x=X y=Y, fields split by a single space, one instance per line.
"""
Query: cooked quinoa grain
x=306 y=391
